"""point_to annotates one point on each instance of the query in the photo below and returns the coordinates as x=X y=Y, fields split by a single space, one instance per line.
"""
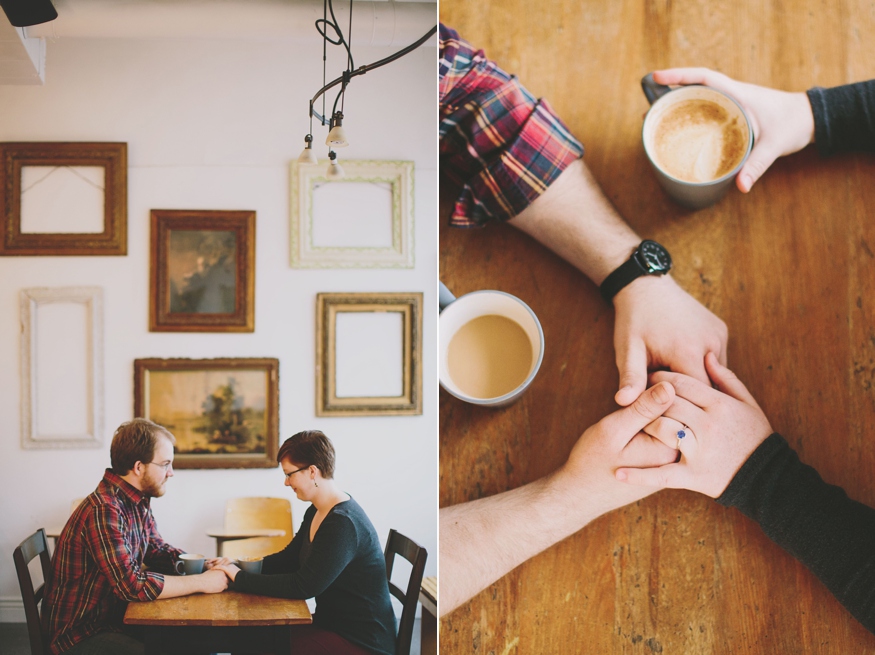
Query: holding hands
x=715 y=430
x=782 y=122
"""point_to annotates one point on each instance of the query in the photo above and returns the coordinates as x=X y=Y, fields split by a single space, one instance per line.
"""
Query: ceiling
x=375 y=23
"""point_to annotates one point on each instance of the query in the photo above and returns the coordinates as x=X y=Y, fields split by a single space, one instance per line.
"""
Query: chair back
x=257 y=512
x=398 y=544
x=34 y=546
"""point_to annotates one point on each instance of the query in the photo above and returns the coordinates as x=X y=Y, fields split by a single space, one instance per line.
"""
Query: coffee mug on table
x=250 y=564
x=491 y=346
x=191 y=564
x=696 y=138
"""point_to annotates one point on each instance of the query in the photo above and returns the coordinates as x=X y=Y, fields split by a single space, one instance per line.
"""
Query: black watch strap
x=622 y=275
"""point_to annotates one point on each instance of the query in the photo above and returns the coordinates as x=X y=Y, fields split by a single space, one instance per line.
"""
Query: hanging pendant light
x=337 y=135
x=335 y=170
x=307 y=156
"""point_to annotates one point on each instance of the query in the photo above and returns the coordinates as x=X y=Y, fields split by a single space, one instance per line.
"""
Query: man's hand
x=616 y=441
x=725 y=426
x=659 y=325
x=783 y=122
x=217 y=561
x=484 y=539
x=213 y=581
x=230 y=570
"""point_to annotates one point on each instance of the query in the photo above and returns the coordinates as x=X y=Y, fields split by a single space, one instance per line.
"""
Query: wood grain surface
x=229 y=608
x=789 y=267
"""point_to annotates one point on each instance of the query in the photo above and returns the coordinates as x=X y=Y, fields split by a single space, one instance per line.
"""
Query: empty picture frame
x=368 y=354
x=224 y=413
x=363 y=220
x=61 y=367
x=202 y=271
x=63 y=198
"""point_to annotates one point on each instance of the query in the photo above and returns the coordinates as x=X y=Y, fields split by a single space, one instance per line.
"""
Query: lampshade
x=337 y=137
x=308 y=156
x=335 y=170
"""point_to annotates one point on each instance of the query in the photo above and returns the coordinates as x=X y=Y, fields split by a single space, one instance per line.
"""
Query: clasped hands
x=634 y=452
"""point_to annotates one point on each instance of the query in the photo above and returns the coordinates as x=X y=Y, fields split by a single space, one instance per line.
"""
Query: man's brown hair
x=309 y=448
x=134 y=442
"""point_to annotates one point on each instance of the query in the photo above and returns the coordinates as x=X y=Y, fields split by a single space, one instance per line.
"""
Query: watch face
x=654 y=257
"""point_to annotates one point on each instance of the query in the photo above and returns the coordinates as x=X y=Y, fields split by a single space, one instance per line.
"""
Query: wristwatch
x=649 y=258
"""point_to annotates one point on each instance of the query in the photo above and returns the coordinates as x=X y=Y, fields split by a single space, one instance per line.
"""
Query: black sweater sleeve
x=844 y=117
x=333 y=548
x=815 y=522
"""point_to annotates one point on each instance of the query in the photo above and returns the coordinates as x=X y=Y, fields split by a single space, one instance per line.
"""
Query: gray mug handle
x=445 y=296
x=653 y=90
x=176 y=566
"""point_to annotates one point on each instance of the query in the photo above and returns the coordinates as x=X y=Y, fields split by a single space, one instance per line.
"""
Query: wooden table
x=428 y=595
x=218 y=622
x=789 y=267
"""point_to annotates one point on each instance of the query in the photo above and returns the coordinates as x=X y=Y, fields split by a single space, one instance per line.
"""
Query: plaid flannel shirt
x=98 y=564
x=497 y=141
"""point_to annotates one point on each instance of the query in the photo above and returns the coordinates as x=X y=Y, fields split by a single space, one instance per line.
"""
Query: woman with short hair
x=335 y=558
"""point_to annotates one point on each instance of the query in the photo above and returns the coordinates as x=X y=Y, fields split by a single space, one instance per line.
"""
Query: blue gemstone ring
x=681 y=434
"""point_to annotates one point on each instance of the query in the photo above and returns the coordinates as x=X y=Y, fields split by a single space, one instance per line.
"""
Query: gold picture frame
x=406 y=400
x=224 y=413
x=202 y=271
x=111 y=157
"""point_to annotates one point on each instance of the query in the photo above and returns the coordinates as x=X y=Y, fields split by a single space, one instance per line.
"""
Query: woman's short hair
x=310 y=448
x=134 y=442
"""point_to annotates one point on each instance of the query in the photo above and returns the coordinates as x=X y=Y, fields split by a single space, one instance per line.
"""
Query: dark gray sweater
x=815 y=522
x=844 y=117
x=343 y=568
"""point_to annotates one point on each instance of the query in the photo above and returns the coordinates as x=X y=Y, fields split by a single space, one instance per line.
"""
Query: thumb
x=761 y=157
x=632 y=363
x=669 y=476
x=629 y=421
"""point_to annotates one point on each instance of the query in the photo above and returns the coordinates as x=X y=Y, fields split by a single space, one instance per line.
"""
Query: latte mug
x=191 y=564
x=696 y=138
x=491 y=346
x=250 y=564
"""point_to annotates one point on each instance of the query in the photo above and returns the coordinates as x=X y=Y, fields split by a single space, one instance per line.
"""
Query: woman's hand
x=231 y=570
x=217 y=561
x=721 y=428
x=782 y=122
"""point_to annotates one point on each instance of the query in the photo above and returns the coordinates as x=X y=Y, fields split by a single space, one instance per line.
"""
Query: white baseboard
x=11 y=609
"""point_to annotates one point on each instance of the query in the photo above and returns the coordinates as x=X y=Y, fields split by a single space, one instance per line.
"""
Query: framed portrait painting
x=224 y=413
x=202 y=271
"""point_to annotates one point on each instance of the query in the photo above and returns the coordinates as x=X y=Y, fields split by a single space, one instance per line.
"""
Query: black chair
x=27 y=550
x=398 y=544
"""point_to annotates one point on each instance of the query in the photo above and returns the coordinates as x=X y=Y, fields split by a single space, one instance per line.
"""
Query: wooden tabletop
x=229 y=608
x=789 y=267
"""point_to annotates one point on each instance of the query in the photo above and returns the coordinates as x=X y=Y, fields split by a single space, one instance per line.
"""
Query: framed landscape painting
x=224 y=413
x=203 y=271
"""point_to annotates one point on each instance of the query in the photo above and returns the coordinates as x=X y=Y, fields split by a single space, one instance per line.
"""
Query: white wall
x=214 y=125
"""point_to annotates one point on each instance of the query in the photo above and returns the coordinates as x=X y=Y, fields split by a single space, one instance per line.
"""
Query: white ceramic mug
x=694 y=195
x=456 y=312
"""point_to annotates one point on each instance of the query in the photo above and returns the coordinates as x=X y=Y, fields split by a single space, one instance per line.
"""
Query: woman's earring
x=316 y=483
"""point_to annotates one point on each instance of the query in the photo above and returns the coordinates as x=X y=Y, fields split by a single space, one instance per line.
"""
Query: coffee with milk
x=698 y=140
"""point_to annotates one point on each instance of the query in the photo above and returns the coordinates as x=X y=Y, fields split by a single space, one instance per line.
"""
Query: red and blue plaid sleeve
x=499 y=143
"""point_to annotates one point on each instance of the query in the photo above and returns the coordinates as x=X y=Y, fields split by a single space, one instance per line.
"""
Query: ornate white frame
x=30 y=301
x=305 y=178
